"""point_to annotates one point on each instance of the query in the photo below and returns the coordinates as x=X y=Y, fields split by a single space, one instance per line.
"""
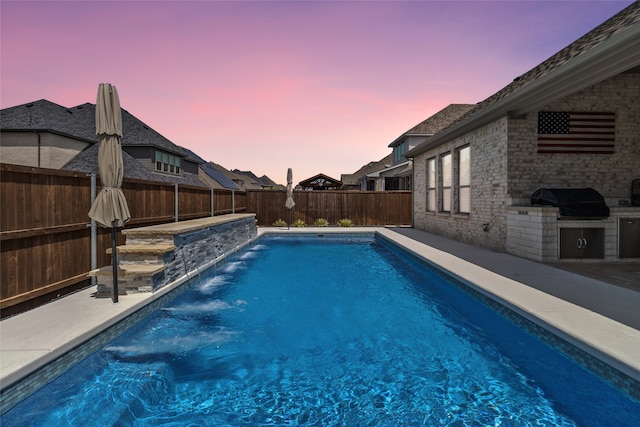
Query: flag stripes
x=575 y=133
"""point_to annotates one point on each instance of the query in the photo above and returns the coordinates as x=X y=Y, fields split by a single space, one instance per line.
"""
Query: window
x=464 y=180
x=431 y=185
x=398 y=153
x=445 y=167
x=166 y=162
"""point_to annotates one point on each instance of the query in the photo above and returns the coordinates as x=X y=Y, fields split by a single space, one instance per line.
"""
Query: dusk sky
x=318 y=86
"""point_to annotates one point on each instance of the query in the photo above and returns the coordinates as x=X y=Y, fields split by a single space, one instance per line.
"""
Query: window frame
x=463 y=188
x=398 y=152
x=432 y=183
x=446 y=182
x=166 y=163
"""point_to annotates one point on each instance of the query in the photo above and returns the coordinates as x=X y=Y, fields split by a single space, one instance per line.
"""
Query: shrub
x=345 y=222
x=299 y=223
x=279 y=223
x=321 y=222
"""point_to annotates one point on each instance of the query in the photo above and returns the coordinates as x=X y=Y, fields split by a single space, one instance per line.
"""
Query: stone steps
x=128 y=271
x=145 y=249
x=131 y=278
x=158 y=255
x=139 y=265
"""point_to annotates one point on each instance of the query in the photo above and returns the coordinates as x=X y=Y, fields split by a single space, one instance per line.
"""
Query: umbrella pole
x=114 y=262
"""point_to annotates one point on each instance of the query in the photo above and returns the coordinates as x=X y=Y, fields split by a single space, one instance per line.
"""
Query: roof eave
x=55 y=132
x=402 y=137
x=609 y=58
x=378 y=172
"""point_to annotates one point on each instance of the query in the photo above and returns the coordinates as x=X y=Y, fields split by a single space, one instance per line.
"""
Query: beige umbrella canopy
x=289 y=203
x=110 y=207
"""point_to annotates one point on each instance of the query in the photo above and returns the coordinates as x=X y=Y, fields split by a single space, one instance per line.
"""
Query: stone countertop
x=174 y=228
x=625 y=209
x=614 y=210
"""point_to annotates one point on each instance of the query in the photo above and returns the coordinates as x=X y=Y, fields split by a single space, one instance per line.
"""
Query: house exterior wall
x=506 y=169
x=147 y=156
x=144 y=155
x=488 y=145
x=189 y=167
x=534 y=233
x=54 y=151
x=408 y=143
x=611 y=175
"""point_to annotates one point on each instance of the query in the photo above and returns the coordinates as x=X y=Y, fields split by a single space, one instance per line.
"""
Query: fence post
x=94 y=232
x=233 y=201
x=212 y=204
x=176 y=201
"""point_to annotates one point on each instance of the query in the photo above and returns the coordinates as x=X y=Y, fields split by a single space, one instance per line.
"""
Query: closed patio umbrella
x=110 y=206
x=289 y=203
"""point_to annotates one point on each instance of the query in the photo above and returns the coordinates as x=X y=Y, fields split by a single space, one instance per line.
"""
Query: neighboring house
x=358 y=180
x=45 y=134
x=264 y=182
x=212 y=176
x=395 y=171
x=86 y=162
x=398 y=175
x=473 y=180
x=243 y=182
x=320 y=182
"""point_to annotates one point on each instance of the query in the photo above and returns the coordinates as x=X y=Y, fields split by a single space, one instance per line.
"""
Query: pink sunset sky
x=318 y=86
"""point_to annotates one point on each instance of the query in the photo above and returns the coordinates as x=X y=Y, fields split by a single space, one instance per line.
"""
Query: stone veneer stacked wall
x=506 y=170
x=159 y=255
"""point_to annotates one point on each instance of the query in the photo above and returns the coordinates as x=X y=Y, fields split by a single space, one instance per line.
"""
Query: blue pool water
x=325 y=332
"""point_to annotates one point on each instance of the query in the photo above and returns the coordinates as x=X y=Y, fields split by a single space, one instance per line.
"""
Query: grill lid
x=572 y=202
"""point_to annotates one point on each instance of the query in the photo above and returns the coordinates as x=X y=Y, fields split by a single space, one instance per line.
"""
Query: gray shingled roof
x=213 y=173
x=265 y=181
x=620 y=22
x=610 y=48
x=87 y=161
x=244 y=182
x=79 y=122
x=135 y=132
x=354 y=178
x=46 y=116
x=436 y=122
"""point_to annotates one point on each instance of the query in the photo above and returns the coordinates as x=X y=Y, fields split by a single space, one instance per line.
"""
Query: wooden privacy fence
x=45 y=232
x=361 y=207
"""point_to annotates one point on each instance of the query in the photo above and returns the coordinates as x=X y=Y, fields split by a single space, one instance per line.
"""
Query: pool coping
x=32 y=340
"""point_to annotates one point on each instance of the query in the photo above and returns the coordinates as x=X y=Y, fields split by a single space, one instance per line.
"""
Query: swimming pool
x=325 y=331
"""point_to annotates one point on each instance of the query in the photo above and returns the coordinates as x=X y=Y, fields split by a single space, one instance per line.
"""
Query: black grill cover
x=573 y=202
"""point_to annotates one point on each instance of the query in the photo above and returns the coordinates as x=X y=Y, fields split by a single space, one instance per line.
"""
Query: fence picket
x=46 y=238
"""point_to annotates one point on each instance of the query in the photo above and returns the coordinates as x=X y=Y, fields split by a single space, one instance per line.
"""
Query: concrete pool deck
x=600 y=319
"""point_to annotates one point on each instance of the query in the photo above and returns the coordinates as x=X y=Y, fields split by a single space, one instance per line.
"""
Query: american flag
x=576 y=133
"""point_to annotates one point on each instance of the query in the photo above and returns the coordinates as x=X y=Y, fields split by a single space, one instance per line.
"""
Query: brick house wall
x=610 y=175
x=505 y=169
x=488 y=145
x=21 y=148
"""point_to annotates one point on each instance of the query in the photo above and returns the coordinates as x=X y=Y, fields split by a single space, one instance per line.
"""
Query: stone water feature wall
x=156 y=256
